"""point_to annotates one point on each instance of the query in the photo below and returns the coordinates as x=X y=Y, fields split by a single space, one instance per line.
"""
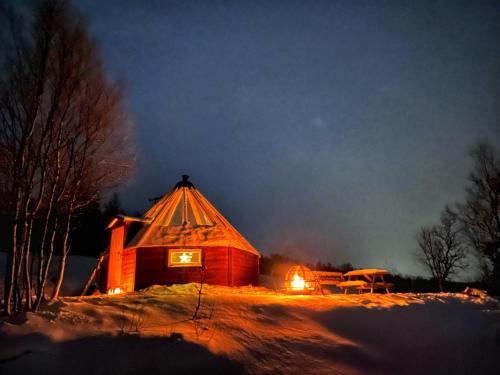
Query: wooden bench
x=328 y=278
x=381 y=285
x=366 y=279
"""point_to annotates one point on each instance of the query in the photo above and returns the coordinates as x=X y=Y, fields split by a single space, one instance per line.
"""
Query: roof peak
x=184 y=217
x=184 y=183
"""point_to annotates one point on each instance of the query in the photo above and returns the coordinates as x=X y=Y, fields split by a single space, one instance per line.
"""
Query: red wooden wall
x=144 y=267
x=245 y=268
x=223 y=266
x=152 y=268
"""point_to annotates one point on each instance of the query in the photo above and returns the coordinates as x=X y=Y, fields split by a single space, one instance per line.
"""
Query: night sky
x=322 y=130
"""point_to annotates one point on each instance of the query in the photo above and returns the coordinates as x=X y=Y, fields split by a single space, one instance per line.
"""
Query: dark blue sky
x=322 y=129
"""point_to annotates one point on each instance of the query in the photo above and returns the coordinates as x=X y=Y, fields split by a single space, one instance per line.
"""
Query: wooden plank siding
x=115 y=257
x=127 y=283
x=230 y=266
x=245 y=268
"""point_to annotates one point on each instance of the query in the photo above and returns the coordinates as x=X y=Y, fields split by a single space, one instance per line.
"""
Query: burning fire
x=297 y=283
x=114 y=291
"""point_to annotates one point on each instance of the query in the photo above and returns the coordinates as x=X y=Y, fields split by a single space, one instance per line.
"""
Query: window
x=184 y=258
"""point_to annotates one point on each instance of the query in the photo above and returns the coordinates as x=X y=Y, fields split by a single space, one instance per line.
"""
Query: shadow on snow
x=127 y=354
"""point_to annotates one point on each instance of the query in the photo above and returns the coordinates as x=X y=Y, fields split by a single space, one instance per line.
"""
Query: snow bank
x=257 y=331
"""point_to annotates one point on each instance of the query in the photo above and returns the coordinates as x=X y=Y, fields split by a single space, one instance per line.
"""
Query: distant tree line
x=470 y=228
x=89 y=236
x=63 y=144
x=419 y=284
x=277 y=263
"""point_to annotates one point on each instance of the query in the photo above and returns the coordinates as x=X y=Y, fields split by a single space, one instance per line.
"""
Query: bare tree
x=62 y=143
x=441 y=248
x=480 y=214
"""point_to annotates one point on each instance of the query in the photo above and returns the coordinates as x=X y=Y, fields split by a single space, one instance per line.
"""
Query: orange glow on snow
x=297 y=283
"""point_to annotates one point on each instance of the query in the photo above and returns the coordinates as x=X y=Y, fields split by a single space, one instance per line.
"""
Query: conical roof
x=184 y=217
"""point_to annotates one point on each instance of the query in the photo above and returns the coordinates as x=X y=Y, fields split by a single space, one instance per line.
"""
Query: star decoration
x=185 y=258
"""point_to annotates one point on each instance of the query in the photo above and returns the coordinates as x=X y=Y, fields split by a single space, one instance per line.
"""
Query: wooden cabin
x=181 y=239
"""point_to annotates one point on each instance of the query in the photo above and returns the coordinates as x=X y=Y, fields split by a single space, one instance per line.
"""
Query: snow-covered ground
x=257 y=331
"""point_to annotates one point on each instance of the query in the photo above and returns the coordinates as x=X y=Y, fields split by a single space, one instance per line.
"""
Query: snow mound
x=476 y=292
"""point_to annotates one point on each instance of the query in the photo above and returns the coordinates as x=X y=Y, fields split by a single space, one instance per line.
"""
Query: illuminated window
x=184 y=258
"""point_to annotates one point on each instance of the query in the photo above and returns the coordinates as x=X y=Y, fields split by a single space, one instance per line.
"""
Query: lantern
x=299 y=279
x=114 y=291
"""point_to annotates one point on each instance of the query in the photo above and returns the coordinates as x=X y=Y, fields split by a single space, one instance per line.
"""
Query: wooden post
x=93 y=275
x=385 y=285
x=115 y=258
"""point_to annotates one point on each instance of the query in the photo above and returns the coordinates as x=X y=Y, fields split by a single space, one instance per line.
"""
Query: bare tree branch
x=441 y=248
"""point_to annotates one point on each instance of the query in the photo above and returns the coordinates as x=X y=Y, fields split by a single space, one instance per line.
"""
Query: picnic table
x=366 y=279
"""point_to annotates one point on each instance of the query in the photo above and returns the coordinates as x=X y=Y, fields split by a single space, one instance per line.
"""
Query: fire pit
x=300 y=279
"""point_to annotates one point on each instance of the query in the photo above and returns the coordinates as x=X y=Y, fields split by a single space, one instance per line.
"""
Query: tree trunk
x=441 y=285
x=45 y=270
x=64 y=255
x=11 y=262
x=60 y=277
x=27 y=268
x=9 y=281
